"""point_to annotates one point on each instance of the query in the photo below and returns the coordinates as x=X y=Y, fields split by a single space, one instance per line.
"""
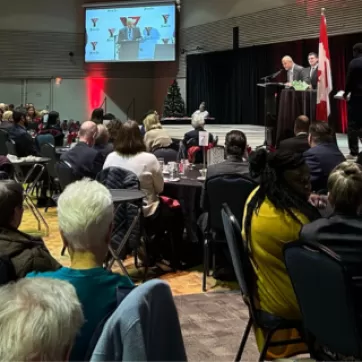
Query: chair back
x=43 y=139
x=4 y=137
x=47 y=150
x=65 y=173
x=240 y=257
x=168 y=154
x=11 y=147
x=326 y=297
x=236 y=189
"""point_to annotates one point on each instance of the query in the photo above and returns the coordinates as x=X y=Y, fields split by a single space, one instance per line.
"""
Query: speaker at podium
x=128 y=50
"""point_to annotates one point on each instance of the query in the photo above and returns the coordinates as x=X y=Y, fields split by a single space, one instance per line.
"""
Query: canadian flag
x=325 y=86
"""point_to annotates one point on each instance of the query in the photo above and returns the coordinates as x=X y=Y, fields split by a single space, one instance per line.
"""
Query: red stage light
x=95 y=92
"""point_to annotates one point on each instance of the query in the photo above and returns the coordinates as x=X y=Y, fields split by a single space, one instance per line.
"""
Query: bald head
x=287 y=62
x=88 y=133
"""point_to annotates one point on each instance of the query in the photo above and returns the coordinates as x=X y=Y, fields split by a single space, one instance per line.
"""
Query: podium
x=128 y=50
x=272 y=91
x=293 y=104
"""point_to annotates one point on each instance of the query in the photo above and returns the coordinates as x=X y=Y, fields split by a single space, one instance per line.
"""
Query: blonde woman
x=156 y=137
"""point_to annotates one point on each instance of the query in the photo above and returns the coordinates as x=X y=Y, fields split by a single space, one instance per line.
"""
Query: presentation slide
x=131 y=34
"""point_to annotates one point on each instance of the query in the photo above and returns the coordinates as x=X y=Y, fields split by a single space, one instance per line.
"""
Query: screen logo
x=166 y=40
x=94 y=21
x=94 y=45
x=148 y=30
x=165 y=18
x=111 y=32
x=133 y=19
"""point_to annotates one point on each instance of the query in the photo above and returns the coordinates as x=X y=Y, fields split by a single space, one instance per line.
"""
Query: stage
x=254 y=134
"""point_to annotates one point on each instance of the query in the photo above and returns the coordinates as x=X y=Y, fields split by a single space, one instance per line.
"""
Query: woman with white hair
x=39 y=319
x=85 y=216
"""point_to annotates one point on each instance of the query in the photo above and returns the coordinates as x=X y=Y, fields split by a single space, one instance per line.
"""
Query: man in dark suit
x=354 y=87
x=102 y=144
x=294 y=71
x=313 y=69
x=24 y=143
x=84 y=159
x=323 y=156
x=299 y=143
x=129 y=33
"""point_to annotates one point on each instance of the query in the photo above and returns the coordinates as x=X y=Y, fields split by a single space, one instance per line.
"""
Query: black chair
x=65 y=174
x=11 y=147
x=327 y=300
x=245 y=276
x=168 y=154
x=4 y=137
x=233 y=189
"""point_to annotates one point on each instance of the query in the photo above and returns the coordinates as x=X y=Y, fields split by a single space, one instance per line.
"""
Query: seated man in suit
x=102 y=141
x=323 y=156
x=84 y=159
x=294 y=71
x=24 y=143
x=299 y=143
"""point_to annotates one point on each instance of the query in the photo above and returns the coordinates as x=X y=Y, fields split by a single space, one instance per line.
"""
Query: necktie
x=129 y=34
x=291 y=76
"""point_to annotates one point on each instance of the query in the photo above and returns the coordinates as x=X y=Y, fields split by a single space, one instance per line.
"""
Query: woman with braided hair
x=274 y=215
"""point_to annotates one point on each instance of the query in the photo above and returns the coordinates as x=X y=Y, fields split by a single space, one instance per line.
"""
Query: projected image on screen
x=130 y=34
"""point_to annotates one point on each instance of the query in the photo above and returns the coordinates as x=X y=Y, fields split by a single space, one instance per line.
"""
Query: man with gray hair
x=102 y=144
x=39 y=320
x=85 y=216
x=294 y=71
x=84 y=159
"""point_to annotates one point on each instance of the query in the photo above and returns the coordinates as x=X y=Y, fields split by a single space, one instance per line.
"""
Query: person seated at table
x=84 y=159
x=52 y=128
x=85 y=216
x=201 y=113
x=150 y=112
x=7 y=120
x=274 y=215
x=40 y=320
x=31 y=114
x=113 y=128
x=299 y=143
x=323 y=156
x=24 y=143
x=155 y=136
x=102 y=144
x=97 y=116
x=26 y=253
x=64 y=126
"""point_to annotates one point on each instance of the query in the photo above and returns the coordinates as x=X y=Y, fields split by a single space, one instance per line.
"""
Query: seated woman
x=26 y=253
x=274 y=214
x=155 y=136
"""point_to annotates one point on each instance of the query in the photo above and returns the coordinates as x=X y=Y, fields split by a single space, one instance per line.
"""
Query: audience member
x=85 y=215
x=97 y=116
x=25 y=252
x=11 y=107
x=1 y=114
x=114 y=126
x=31 y=114
x=39 y=320
x=155 y=136
x=150 y=112
x=24 y=144
x=7 y=120
x=84 y=159
x=323 y=156
x=64 y=125
x=130 y=154
x=299 y=143
x=3 y=107
x=274 y=214
x=109 y=117
x=102 y=144
x=52 y=127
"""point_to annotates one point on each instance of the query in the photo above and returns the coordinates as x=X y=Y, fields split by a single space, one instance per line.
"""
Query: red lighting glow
x=95 y=92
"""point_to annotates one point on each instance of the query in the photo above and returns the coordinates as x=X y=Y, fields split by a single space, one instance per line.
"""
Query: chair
x=65 y=174
x=42 y=139
x=326 y=299
x=244 y=274
x=4 y=137
x=236 y=190
x=11 y=147
x=168 y=154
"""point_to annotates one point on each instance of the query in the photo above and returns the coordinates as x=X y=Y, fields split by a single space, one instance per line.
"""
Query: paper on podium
x=340 y=96
x=203 y=138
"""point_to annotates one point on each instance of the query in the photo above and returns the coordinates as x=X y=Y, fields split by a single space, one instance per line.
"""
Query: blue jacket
x=145 y=327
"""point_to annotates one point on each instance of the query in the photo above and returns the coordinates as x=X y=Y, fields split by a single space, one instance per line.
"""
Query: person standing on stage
x=354 y=87
x=294 y=71
x=313 y=69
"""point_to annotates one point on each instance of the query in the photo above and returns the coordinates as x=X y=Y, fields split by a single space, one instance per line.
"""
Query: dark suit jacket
x=313 y=78
x=342 y=234
x=6 y=125
x=321 y=160
x=191 y=138
x=231 y=165
x=299 y=74
x=85 y=160
x=105 y=150
x=297 y=144
x=354 y=77
x=123 y=34
x=24 y=144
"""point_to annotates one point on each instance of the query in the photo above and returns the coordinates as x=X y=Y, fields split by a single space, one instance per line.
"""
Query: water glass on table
x=161 y=161
x=184 y=168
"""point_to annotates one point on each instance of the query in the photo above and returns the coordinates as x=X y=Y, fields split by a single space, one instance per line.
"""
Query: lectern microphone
x=272 y=76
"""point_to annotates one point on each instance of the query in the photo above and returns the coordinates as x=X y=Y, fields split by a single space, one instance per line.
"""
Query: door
x=38 y=92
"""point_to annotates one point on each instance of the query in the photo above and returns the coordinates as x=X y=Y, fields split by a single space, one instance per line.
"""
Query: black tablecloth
x=188 y=193
x=293 y=104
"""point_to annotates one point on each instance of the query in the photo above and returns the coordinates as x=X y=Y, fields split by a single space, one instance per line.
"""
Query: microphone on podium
x=272 y=76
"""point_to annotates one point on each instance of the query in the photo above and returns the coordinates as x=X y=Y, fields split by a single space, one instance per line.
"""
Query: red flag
x=325 y=86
